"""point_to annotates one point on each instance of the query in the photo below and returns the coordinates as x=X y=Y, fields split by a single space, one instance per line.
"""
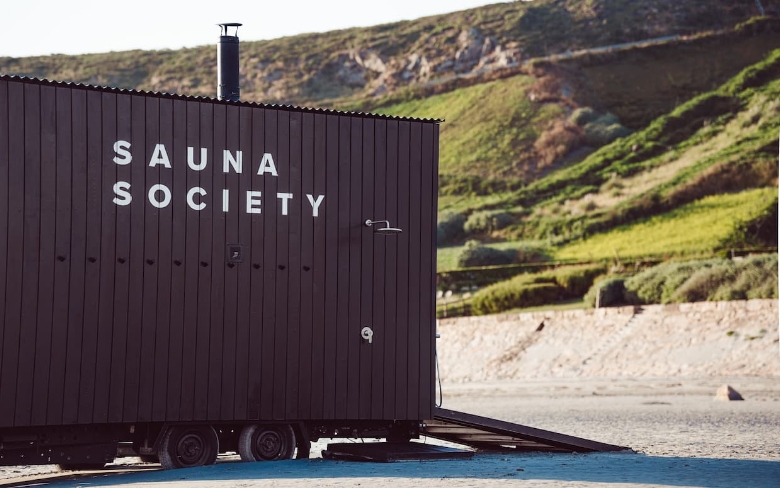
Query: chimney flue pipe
x=227 y=64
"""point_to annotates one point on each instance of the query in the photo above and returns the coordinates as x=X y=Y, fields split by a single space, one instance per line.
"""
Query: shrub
x=487 y=221
x=557 y=141
x=600 y=133
x=475 y=254
x=583 y=116
x=450 y=227
x=513 y=294
x=759 y=231
x=576 y=280
x=530 y=254
x=713 y=279
x=599 y=129
x=703 y=282
x=613 y=293
x=755 y=277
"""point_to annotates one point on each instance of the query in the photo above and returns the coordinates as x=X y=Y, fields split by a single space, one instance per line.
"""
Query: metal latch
x=367 y=334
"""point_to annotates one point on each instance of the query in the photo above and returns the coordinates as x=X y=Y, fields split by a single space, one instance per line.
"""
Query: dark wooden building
x=168 y=258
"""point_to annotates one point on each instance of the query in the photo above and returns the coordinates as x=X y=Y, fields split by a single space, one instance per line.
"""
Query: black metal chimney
x=227 y=65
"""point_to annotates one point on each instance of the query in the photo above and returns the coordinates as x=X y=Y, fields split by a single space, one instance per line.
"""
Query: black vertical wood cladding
x=367 y=244
x=391 y=323
x=31 y=255
x=122 y=304
x=319 y=268
x=45 y=305
x=106 y=266
x=5 y=411
x=255 y=258
x=15 y=248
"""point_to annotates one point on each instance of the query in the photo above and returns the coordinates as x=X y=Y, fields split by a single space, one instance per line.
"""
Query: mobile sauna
x=186 y=276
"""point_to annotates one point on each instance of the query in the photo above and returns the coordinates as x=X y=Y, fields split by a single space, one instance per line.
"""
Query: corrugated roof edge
x=131 y=91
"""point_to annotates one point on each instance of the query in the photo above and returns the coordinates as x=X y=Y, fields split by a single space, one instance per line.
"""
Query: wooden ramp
x=487 y=434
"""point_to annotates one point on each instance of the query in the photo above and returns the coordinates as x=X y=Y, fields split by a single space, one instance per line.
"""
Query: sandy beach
x=643 y=379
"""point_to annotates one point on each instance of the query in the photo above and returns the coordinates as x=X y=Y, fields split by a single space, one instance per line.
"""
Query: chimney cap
x=224 y=27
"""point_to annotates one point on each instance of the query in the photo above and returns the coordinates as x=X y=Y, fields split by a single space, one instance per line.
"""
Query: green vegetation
x=695 y=228
x=522 y=252
x=707 y=280
x=610 y=291
x=528 y=290
x=449 y=227
x=487 y=126
x=487 y=221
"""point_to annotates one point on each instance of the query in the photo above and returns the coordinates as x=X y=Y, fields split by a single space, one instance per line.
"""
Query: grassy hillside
x=377 y=61
x=654 y=184
x=697 y=228
x=721 y=141
x=490 y=128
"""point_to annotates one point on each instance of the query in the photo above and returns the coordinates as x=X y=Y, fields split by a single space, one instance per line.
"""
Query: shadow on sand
x=626 y=468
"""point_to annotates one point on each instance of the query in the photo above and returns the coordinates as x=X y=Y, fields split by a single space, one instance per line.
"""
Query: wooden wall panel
x=230 y=269
x=192 y=340
x=205 y=264
x=4 y=231
x=282 y=263
x=343 y=246
x=306 y=351
x=270 y=289
x=368 y=240
x=163 y=262
x=402 y=284
x=30 y=255
x=107 y=265
x=151 y=266
x=413 y=336
x=244 y=295
x=319 y=267
x=77 y=256
x=217 y=265
x=179 y=332
x=292 y=168
x=427 y=294
x=331 y=209
x=9 y=366
x=257 y=330
x=48 y=150
x=383 y=334
x=61 y=294
x=122 y=335
x=355 y=233
x=158 y=324
x=391 y=294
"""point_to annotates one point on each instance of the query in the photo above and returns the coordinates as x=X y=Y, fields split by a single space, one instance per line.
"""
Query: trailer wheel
x=188 y=446
x=266 y=442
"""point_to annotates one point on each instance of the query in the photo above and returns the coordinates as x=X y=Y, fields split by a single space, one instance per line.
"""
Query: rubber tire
x=266 y=442
x=201 y=441
x=81 y=466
